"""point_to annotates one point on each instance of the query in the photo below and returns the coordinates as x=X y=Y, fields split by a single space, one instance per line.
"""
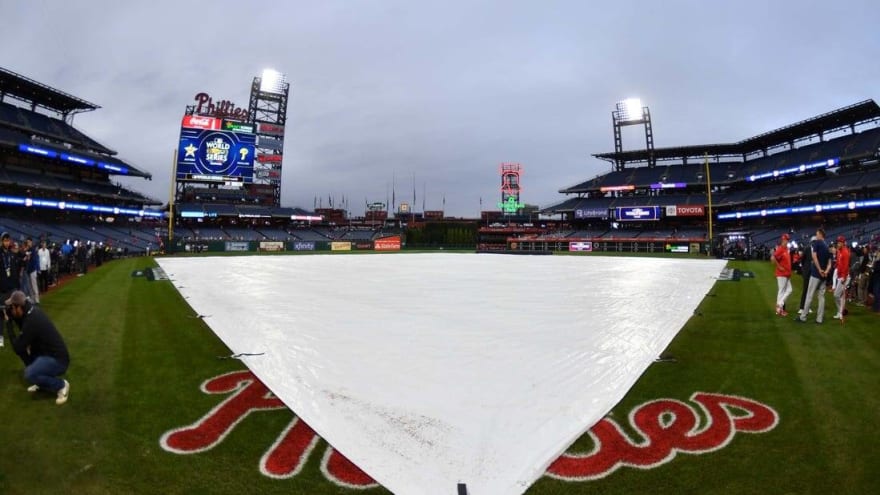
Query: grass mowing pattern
x=139 y=355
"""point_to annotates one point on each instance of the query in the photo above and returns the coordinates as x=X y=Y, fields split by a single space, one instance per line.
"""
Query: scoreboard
x=215 y=150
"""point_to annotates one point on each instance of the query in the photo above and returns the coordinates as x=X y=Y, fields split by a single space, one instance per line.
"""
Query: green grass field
x=139 y=356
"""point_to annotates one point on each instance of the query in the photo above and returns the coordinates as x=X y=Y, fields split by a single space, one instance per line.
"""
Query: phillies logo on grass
x=667 y=427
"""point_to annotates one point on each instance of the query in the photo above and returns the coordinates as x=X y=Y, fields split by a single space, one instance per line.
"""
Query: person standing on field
x=842 y=274
x=806 y=266
x=818 y=273
x=45 y=261
x=782 y=261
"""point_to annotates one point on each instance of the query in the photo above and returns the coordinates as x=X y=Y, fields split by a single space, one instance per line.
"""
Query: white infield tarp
x=428 y=370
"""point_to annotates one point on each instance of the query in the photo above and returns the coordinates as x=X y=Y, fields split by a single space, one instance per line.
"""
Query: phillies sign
x=664 y=428
x=224 y=108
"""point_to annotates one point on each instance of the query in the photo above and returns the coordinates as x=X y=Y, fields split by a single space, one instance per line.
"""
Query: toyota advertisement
x=685 y=211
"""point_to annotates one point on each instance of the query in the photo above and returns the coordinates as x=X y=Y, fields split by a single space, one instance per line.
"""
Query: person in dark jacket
x=39 y=346
x=8 y=275
x=806 y=265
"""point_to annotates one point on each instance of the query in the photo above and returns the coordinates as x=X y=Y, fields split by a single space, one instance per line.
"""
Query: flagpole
x=171 y=198
x=709 y=197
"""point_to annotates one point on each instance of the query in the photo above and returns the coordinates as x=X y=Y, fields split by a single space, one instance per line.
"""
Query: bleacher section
x=50 y=170
x=55 y=184
x=843 y=146
x=846 y=148
x=43 y=125
x=133 y=238
x=242 y=234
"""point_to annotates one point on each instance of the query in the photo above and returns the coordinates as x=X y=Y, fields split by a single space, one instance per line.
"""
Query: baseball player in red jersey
x=782 y=260
x=842 y=274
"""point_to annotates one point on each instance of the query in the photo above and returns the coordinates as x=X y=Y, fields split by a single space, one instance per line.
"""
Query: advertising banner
x=685 y=211
x=264 y=158
x=340 y=246
x=237 y=246
x=387 y=244
x=304 y=246
x=271 y=246
x=637 y=213
x=591 y=213
x=677 y=248
x=433 y=214
x=234 y=126
x=200 y=122
x=362 y=245
x=580 y=246
x=271 y=129
x=270 y=143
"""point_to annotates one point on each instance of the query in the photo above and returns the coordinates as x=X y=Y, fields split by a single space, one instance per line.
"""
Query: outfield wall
x=622 y=245
x=392 y=243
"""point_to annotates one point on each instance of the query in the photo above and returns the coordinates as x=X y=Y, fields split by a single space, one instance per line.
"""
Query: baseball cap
x=5 y=235
x=17 y=298
x=786 y=237
x=841 y=238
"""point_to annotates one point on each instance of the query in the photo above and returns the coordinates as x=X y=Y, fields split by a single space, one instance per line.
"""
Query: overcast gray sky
x=445 y=91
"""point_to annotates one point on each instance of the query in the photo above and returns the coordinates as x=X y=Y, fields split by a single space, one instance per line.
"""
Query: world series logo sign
x=215 y=153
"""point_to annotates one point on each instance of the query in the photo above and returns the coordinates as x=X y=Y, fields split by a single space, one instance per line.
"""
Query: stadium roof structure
x=41 y=95
x=848 y=116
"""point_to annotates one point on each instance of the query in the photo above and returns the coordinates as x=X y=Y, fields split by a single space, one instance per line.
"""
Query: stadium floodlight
x=272 y=81
x=630 y=109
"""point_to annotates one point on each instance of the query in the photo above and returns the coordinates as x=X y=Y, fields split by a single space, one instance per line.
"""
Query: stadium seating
x=37 y=123
x=316 y=235
x=357 y=235
x=209 y=233
x=243 y=234
x=275 y=234
x=219 y=209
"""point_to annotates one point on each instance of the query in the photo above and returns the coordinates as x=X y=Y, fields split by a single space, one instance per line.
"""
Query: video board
x=215 y=150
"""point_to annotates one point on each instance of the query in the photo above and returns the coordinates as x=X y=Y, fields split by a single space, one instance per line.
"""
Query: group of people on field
x=849 y=275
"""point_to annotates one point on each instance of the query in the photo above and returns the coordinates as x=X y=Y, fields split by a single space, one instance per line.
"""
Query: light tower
x=631 y=112
x=268 y=111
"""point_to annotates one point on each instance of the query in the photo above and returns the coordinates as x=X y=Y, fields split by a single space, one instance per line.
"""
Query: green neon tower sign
x=511 y=205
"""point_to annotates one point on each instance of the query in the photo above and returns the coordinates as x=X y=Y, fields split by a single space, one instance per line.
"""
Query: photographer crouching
x=39 y=346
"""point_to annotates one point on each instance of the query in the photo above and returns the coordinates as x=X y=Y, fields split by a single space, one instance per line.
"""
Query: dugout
x=734 y=245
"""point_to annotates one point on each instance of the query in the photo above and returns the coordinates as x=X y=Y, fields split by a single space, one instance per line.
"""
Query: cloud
x=445 y=91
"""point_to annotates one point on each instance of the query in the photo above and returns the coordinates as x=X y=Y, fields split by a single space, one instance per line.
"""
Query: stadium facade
x=57 y=183
x=822 y=171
